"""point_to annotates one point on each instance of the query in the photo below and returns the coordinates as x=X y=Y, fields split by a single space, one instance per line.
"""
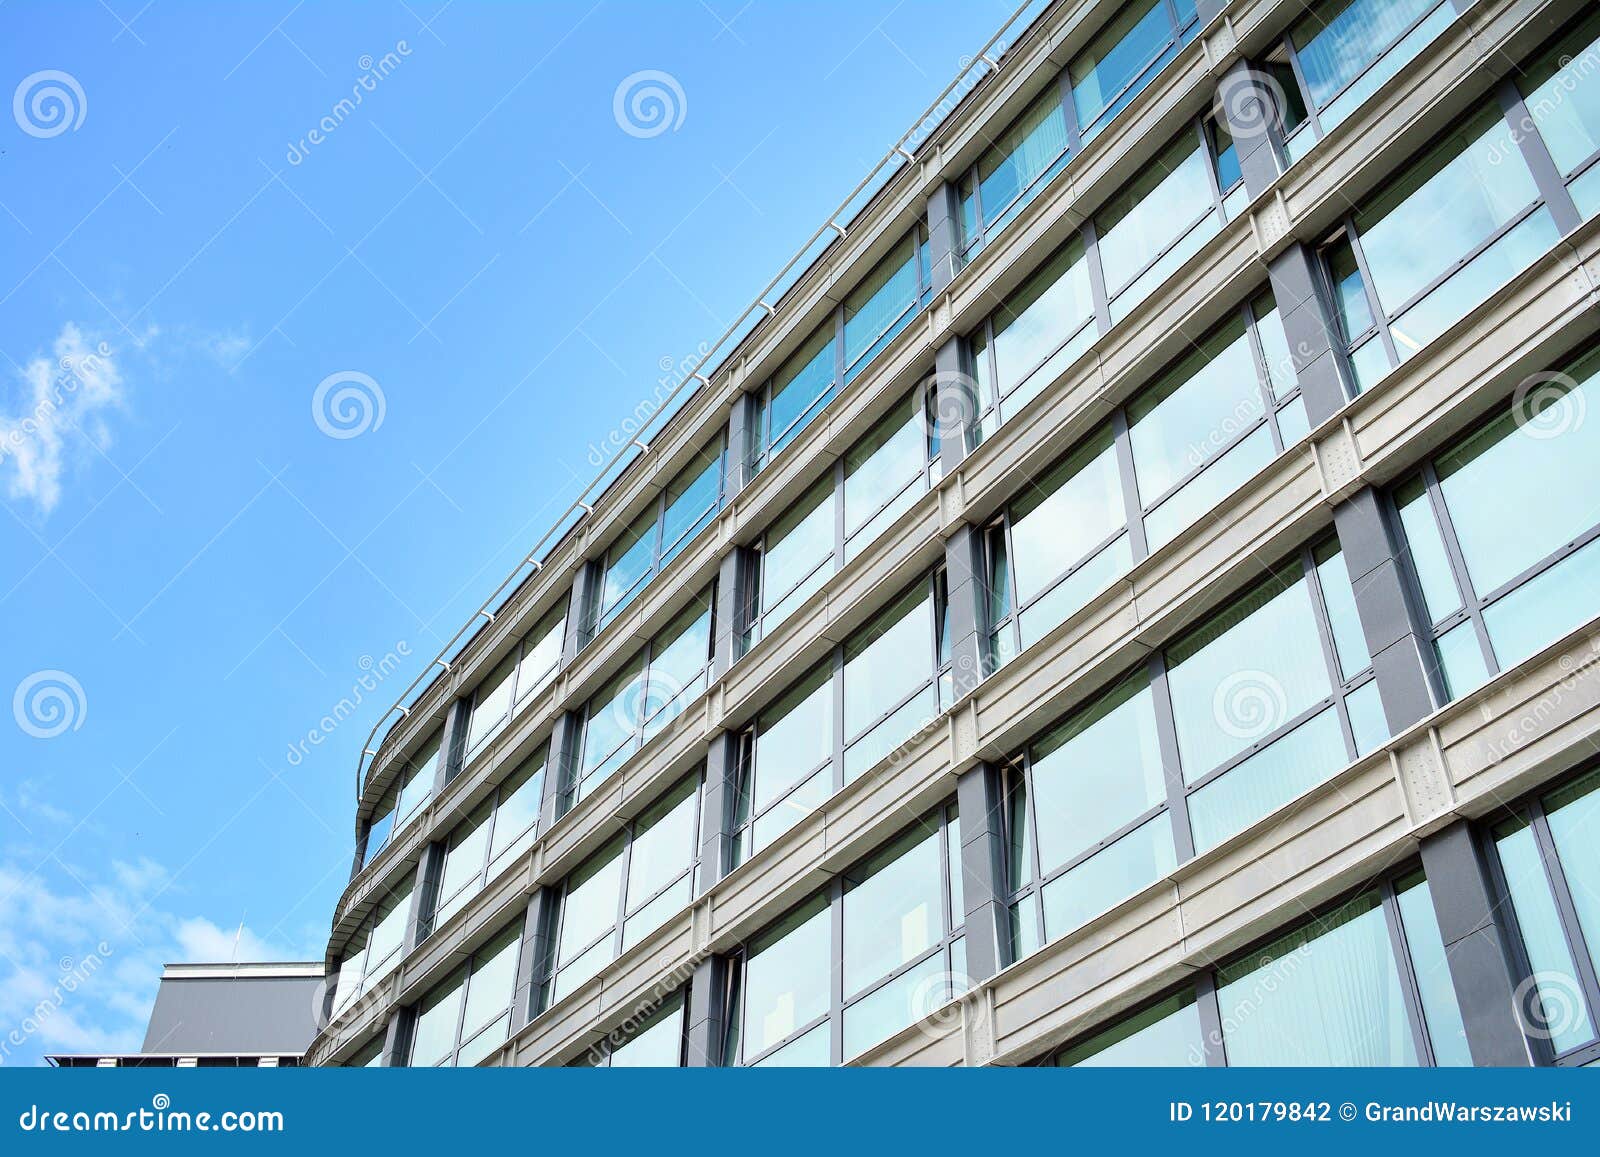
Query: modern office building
x=1126 y=596
x=257 y=1015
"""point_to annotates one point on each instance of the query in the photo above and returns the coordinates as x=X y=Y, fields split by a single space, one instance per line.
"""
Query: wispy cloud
x=59 y=400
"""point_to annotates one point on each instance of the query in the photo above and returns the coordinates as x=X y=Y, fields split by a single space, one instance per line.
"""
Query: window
x=1087 y=822
x=1038 y=331
x=1272 y=696
x=878 y=480
x=895 y=925
x=467 y=1016
x=658 y=1043
x=654 y=539
x=1172 y=454
x=1362 y=985
x=883 y=304
x=1551 y=873
x=629 y=888
x=1159 y=221
x=370 y=1056
x=845 y=716
x=1499 y=532
x=650 y=692
x=526 y=671
x=375 y=948
x=1343 y=51
x=1562 y=96
x=498 y=831
x=1126 y=56
x=1443 y=235
x=412 y=788
x=1013 y=170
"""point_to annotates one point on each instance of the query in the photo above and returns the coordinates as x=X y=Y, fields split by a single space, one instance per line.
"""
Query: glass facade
x=527 y=670
x=1364 y=984
x=467 y=1016
x=895 y=924
x=1561 y=92
x=413 y=787
x=1494 y=598
x=490 y=839
x=845 y=716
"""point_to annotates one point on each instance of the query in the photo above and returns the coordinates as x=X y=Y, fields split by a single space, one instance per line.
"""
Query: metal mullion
x=1263 y=377
x=889 y=502
x=1097 y=278
x=1211 y=175
x=1069 y=113
x=1571 y=929
x=1088 y=557
x=978 y=216
x=1330 y=648
x=1332 y=699
x=1470 y=603
x=1313 y=115
x=1410 y=989
x=1461 y=263
x=949 y=905
x=1215 y=208
x=1547 y=176
x=1210 y=1013
x=1374 y=306
x=1133 y=513
x=1580 y=1056
x=1580 y=169
x=622 y=892
x=1035 y=867
x=836 y=973
x=837 y=678
x=936 y=949
x=1171 y=758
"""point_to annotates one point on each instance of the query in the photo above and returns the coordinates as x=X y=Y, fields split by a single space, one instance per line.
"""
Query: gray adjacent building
x=259 y=1015
x=1125 y=593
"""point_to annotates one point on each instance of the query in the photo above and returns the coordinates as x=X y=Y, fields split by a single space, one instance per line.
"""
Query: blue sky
x=192 y=572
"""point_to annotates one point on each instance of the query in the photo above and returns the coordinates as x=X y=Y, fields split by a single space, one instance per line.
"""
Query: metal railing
x=834 y=230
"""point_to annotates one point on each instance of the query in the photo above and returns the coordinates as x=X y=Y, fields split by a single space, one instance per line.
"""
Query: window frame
x=466 y=971
x=553 y=620
x=953 y=931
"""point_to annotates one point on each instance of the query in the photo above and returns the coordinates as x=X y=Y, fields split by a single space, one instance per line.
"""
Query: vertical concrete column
x=981 y=802
x=967 y=587
x=534 y=958
x=734 y=592
x=397 y=1039
x=716 y=809
x=706 y=1014
x=944 y=236
x=1476 y=945
x=560 y=776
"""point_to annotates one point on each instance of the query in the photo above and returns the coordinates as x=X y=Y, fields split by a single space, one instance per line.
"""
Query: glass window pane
x=1429 y=561
x=1456 y=197
x=882 y=304
x=1562 y=93
x=612 y=720
x=1052 y=305
x=541 y=654
x=663 y=844
x=793 y=737
x=1573 y=812
x=1201 y=494
x=1197 y=411
x=1336 y=41
x=1063 y=518
x=893 y=910
x=589 y=909
x=433 y=1038
x=1108 y=877
x=1035 y=144
x=1340 y=599
x=1097 y=773
x=804 y=381
x=888 y=659
x=1566 y=1018
x=786 y=979
x=1155 y=211
x=1446 y=1032
x=492 y=705
x=419 y=778
x=1104 y=72
x=463 y=862
x=1246 y=673
x=797 y=549
x=1545 y=608
x=659 y=1044
x=1461 y=660
x=678 y=661
x=518 y=809
x=1327 y=994
x=692 y=499
x=1367 y=720
x=493 y=980
x=883 y=464
x=1275 y=349
x=907 y=998
x=1506 y=475
x=1165 y=1035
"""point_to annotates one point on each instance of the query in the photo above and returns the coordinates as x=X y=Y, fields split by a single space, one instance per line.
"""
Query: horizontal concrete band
x=1208 y=287
x=1182 y=89
x=1545 y=314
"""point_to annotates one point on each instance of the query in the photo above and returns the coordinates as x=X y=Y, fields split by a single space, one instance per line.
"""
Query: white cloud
x=61 y=399
x=81 y=956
